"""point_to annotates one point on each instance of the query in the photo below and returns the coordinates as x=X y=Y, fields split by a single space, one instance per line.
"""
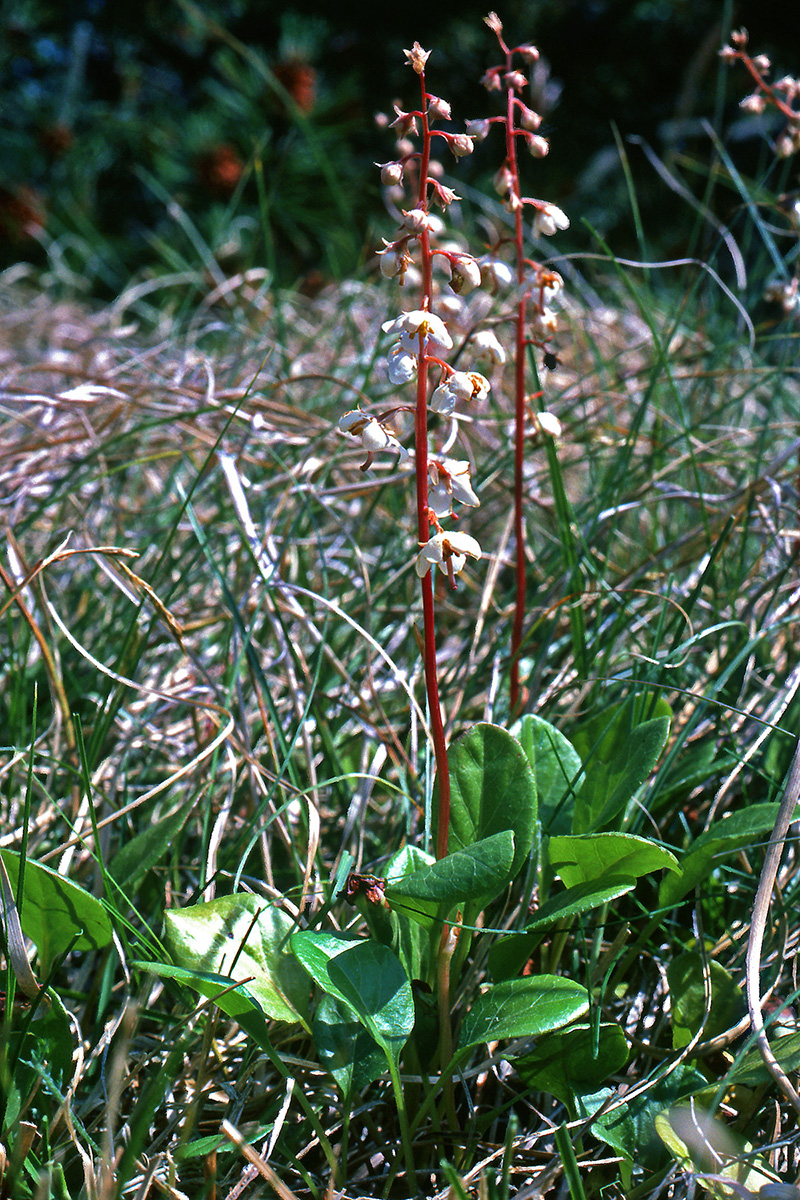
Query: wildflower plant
x=420 y=343
x=521 y=973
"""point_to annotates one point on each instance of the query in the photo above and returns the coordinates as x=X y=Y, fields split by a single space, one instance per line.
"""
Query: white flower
x=402 y=365
x=496 y=272
x=461 y=385
x=372 y=433
x=547 y=422
x=465 y=273
x=410 y=325
x=549 y=218
x=393 y=260
x=443 y=400
x=544 y=323
x=487 y=345
x=451 y=481
x=449 y=551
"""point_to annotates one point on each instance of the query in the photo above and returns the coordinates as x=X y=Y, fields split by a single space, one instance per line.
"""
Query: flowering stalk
x=423 y=340
x=534 y=286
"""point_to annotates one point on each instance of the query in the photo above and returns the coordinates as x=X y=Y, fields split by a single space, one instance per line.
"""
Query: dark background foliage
x=137 y=137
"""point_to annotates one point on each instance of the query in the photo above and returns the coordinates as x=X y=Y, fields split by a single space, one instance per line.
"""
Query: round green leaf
x=492 y=788
x=586 y=857
x=523 y=1008
x=245 y=938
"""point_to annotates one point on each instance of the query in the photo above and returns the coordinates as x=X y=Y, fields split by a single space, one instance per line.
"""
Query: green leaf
x=245 y=938
x=236 y=1001
x=523 y=1008
x=688 y=998
x=344 y=1046
x=482 y=868
x=55 y=913
x=556 y=768
x=492 y=788
x=630 y=1127
x=508 y=955
x=367 y=977
x=148 y=847
x=739 y=831
x=619 y=750
x=410 y=941
x=587 y=858
x=572 y=1061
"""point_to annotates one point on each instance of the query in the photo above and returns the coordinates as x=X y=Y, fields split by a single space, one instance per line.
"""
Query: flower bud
x=547 y=422
x=393 y=260
x=416 y=220
x=438 y=109
x=503 y=180
x=478 y=129
x=538 y=146
x=514 y=80
x=404 y=122
x=528 y=119
x=391 y=173
x=461 y=144
x=528 y=53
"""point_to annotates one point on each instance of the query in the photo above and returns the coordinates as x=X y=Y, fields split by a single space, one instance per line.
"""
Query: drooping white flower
x=402 y=365
x=460 y=385
x=451 y=481
x=496 y=272
x=465 y=273
x=393 y=260
x=486 y=343
x=372 y=434
x=435 y=338
x=449 y=552
x=544 y=323
x=549 y=219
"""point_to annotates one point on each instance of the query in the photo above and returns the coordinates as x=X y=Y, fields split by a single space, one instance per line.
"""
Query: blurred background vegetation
x=139 y=137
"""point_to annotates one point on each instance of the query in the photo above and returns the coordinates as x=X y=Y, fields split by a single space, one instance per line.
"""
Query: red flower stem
x=519 y=407
x=423 y=524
